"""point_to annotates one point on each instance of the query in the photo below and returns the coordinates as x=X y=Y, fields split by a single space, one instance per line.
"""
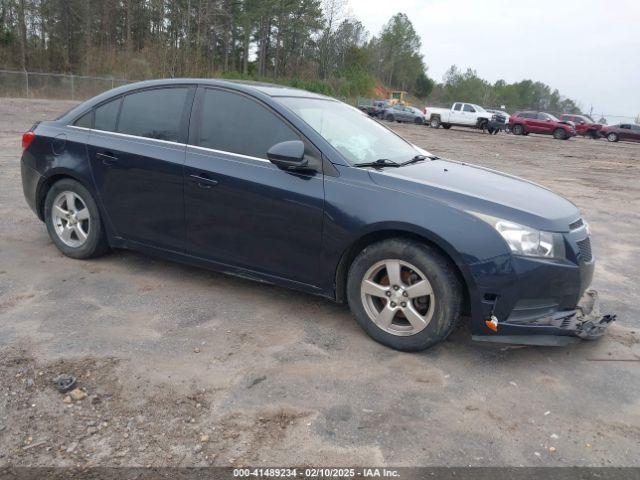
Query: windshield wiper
x=419 y=158
x=381 y=162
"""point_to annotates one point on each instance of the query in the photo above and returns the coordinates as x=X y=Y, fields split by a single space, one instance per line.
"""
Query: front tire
x=390 y=118
x=612 y=137
x=560 y=134
x=404 y=294
x=73 y=220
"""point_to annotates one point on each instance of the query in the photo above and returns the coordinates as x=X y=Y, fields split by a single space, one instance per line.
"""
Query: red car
x=622 y=131
x=524 y=123
x=584 y=125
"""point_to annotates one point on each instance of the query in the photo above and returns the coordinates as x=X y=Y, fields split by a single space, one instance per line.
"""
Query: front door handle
x=204 y=182
x=107 y=158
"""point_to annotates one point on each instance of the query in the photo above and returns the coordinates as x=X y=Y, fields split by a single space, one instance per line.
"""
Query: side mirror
x=288 y=155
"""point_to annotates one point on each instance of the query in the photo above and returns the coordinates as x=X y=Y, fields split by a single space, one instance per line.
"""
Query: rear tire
x=73 y=220
x=612 y=137
x=560 y=134
x=517 y=129
x=446 y=126
x=434 y=122
x=428 y=291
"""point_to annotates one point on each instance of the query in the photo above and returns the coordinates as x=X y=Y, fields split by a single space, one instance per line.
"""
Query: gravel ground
x=185 y=367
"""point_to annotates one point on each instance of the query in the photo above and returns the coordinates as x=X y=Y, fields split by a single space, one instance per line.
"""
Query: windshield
x=551 y=117
x=356 y=136
x=479 y=108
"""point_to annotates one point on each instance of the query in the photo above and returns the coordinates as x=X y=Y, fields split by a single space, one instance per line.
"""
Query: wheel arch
x=49 y=181
x=371 y=237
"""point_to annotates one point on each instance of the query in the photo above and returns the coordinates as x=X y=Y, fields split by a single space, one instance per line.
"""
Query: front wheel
x=418 y=121
x=560 y=134
x=390 y=118
x=404 y=294
x=73 y=220
x=612 y=137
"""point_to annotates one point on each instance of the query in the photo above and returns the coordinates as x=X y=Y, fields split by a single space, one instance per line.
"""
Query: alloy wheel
x=397 y=297
x=71 y=219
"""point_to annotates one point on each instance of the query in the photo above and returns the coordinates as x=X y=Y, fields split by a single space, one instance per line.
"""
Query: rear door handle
x=204 y=182
x=107 y=158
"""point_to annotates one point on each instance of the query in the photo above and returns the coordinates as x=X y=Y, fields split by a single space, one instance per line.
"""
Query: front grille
x=577 y=224
x=585 y=249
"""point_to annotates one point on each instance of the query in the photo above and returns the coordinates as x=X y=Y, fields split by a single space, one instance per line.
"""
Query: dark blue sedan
x=300 y=190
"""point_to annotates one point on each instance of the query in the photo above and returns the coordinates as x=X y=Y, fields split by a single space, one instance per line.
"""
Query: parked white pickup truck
x=460 y=114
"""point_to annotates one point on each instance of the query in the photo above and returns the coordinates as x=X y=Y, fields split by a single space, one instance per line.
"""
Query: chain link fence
x=58 y=86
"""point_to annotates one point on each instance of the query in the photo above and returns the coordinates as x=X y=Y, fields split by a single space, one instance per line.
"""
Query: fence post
x=72 y=88
x=26 y=77
x=112 y=82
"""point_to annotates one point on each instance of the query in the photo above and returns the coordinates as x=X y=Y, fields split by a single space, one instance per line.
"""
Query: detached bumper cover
x=561 y=328
x=590 y=324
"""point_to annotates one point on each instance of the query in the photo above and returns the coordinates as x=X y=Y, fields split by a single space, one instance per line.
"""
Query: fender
x=383 y=230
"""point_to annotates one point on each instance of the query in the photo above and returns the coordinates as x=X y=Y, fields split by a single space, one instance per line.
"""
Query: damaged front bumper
x=561 y=328
x=590 y=324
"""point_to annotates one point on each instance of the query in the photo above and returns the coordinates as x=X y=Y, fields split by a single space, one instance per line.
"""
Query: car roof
x=246 y=86
x=270 y=89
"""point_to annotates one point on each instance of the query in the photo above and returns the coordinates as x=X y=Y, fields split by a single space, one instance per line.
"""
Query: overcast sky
x=588 y=49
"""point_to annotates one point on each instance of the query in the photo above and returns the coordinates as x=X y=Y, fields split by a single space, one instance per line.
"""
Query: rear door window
x=457 y=107
x=469 y=108
x=154 y=113
x=234 y=123
x=106 y=116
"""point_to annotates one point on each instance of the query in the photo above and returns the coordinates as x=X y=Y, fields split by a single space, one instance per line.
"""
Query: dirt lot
x=187 y=367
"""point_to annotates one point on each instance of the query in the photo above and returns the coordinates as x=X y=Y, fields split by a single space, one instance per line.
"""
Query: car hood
x=479 y=189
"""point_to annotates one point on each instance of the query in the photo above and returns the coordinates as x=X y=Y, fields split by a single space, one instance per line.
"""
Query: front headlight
x=526 y=241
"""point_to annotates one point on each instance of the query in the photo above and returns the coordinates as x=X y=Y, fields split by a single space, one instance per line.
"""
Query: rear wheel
x=404 y=294
x=73 y=220
x=518 y=129
x=612 y=137
x=434 y=122
x=560 y=134
x=446 y=126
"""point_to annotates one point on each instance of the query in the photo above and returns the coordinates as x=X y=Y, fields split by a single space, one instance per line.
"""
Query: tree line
x=312 y=44
x=526 y=94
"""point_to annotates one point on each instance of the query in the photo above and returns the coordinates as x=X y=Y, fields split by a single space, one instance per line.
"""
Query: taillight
x=27 y=138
